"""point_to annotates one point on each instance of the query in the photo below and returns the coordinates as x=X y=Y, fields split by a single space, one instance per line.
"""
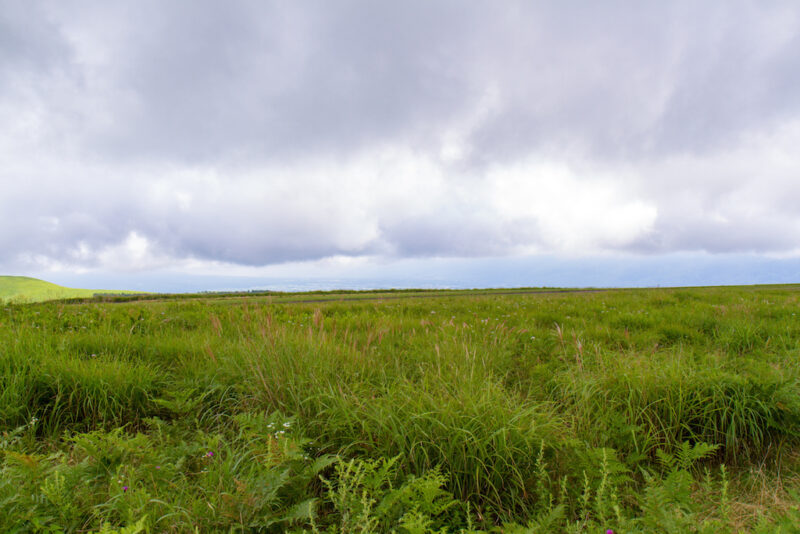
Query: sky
x=191 y=145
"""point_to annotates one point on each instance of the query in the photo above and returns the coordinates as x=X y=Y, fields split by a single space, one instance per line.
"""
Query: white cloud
x=574 y=214
x=134 y=253
x=740 y=199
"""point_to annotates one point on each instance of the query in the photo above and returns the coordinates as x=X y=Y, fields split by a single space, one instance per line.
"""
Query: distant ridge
x=27 y=289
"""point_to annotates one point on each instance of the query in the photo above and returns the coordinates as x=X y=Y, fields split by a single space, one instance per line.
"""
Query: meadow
x=652 y=410
x=24 y=289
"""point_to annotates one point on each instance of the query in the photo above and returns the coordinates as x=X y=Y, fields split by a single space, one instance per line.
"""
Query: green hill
x=26 y=289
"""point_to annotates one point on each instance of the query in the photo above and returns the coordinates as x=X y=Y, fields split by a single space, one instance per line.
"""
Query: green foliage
x=26 y=289
x=364 y=497
x=467 y=412
x=668 y=501
x=253 y=479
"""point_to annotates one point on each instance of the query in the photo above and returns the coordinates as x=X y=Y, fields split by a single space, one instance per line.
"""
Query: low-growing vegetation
x=663 y=410
x=22 y=289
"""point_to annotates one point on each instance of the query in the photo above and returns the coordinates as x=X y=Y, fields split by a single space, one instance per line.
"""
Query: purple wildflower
x=124 y=488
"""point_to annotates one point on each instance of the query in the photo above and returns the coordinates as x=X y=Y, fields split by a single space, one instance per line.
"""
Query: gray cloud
x=199 y=81
x=143 y=133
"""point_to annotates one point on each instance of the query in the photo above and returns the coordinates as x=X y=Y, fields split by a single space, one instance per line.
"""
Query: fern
x=668 y=505
x=56 y=490
x=137 y=528
x=364 y=495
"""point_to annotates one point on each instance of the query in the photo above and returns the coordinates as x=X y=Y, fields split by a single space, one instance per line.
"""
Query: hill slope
x=26 y=289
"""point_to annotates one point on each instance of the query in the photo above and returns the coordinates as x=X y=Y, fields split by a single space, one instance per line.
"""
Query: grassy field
x=25 y=289
x=661 y=410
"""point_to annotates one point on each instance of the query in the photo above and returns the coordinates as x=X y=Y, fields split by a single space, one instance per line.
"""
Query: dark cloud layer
x=144 y=133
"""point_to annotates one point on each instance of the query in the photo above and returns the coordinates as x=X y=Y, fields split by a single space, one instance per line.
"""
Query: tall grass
x=511 y=399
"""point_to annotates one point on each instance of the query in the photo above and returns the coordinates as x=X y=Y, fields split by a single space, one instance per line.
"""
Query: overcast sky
x=248 y=138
